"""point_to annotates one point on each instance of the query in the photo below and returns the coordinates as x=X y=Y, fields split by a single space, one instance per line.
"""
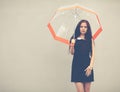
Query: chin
x=83 y=33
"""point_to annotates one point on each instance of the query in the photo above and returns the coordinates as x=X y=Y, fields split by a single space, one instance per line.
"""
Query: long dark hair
x=88 y=35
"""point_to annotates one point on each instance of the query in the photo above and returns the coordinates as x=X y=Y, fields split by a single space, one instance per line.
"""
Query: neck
x=82 y=36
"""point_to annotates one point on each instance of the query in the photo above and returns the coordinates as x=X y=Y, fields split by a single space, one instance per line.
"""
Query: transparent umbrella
x=63 y=23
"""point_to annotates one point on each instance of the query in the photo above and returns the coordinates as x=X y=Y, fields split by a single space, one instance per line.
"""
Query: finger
x=85 y=69
x=89 y=73
x=86 y=73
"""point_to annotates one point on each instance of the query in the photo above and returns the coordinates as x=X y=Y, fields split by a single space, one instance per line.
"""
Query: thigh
x=79 y=86
x=87 y=86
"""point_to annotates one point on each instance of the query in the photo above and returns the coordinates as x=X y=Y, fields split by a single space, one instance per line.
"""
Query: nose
x=83 y=28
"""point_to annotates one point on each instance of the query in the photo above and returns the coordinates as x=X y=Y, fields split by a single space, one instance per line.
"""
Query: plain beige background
x=32 y=61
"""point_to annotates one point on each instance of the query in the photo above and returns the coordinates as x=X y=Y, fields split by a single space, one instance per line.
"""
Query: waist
x=82 y=54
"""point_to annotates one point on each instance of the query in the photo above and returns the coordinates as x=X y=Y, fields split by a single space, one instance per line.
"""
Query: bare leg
x=79 y=86
x=87 y=86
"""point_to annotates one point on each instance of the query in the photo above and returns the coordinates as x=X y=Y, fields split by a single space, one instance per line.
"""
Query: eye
x=83 y=26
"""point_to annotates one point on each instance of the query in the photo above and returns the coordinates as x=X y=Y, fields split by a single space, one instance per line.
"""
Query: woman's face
x=83 y=28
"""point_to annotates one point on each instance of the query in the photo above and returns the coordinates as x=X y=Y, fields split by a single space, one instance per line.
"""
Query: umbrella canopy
x=63 y=23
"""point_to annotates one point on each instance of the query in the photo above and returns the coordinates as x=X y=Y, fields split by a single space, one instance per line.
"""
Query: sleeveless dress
x=81 y=60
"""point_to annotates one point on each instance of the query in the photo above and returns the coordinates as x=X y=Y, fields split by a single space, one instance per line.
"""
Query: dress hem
x=83 y=81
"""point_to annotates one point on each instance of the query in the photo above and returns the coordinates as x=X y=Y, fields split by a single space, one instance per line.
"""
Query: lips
x=83 y=31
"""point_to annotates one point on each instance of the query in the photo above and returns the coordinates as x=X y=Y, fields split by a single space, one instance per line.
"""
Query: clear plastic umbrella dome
x=63 y=23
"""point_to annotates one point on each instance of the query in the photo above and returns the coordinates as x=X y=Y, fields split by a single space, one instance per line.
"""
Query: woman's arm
x=71 y=48
x=93 y=55
x=90 y=67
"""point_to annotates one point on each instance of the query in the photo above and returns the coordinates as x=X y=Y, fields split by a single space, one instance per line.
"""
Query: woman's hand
x=88 y=70
x=72 y=50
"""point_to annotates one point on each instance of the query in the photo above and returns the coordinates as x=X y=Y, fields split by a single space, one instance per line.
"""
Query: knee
x=80 y=90
x=87 y=89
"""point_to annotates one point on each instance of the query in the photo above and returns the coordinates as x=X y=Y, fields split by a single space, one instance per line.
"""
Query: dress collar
x=79 y=38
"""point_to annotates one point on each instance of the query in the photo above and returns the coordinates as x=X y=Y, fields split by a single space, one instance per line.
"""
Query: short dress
x=81 y=60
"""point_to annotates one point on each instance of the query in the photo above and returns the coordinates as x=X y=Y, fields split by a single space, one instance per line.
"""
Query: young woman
x=82 y=49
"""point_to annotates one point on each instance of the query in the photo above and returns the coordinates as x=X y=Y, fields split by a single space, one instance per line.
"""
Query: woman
x=82 y=49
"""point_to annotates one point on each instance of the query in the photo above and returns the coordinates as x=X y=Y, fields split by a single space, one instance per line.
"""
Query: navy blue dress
x=81 y=61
